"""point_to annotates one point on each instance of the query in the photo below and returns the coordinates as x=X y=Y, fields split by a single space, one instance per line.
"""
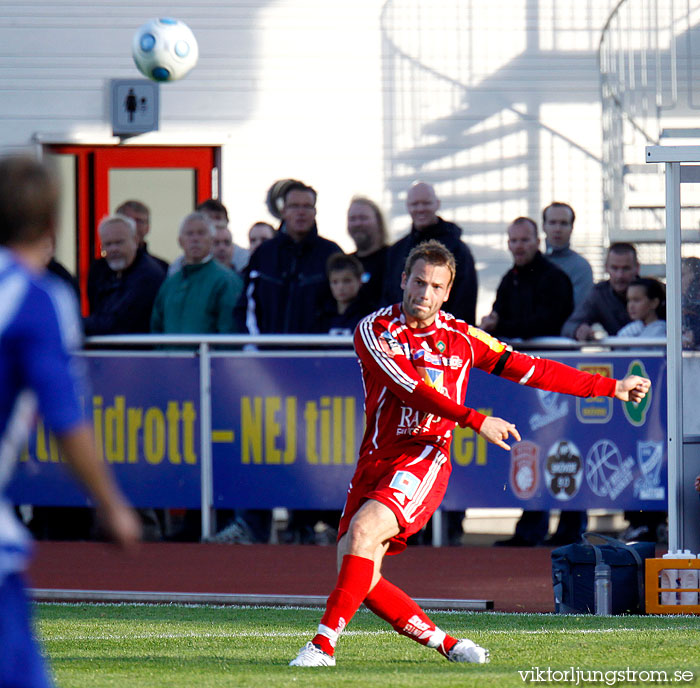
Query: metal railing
x=649 y=55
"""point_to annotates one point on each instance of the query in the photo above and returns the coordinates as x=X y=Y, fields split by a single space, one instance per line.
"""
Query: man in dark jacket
x=286 y=284
x=606 y=303
x=141 y=215
x=423 y=204
x=122 y=285
x=535 y=297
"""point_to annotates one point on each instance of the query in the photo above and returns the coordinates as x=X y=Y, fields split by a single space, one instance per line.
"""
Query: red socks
x=352 y=586
x=394 y=606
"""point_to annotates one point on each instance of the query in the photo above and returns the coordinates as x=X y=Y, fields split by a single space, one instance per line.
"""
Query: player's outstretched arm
x=497 y=430
x=632 y=388
x=122 y=523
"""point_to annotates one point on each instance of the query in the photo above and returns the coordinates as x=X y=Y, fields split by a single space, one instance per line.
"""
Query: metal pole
x=674 y=381
x=206 y=473
x=437 y=528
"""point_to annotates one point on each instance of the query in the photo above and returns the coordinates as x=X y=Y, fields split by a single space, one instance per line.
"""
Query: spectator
x=690 y=302
x=286 y=287
x=59 y=270
x=646 y=305
x=286 y=281
x=348 y=306
x=258 y=233
x=200 y=297
x=218 y=214
x=606 y=303
x=535 y=297
x=197 y=299
x=423 y=204
x=557 y=224
x=122 y=285
x=222 y=248
x=141 y=215
x=367 y=229
x=246 y=526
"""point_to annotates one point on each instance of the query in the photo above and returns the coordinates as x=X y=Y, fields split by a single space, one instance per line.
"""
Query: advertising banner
x=145 y=414
x=292 y=440
x=286 y=431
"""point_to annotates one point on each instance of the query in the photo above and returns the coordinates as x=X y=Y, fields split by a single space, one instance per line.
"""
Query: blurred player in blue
x=39 y=327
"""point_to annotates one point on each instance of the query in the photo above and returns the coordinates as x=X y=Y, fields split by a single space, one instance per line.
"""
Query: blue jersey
x=39 y=327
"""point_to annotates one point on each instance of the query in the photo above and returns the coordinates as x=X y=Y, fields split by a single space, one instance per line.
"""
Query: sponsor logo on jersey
x=563 y=470
x=432 y=377
x=454 y=362
x=405 y=482
x=595 y=409
x=524 y=469
x=607 y=473
x=389 y=344
x=650 y=459
x=493 y=343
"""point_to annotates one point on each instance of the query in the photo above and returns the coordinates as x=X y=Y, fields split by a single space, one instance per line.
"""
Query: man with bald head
x=423 y=204
x=122 y=285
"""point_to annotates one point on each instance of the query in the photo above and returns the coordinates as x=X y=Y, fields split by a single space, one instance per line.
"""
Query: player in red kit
x=415 y=362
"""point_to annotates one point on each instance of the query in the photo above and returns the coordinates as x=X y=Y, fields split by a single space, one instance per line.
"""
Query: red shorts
x=412 y=485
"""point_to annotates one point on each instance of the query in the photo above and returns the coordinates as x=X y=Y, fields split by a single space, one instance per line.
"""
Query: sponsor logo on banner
x=607 y=473
x=650 y=459
x=636 y=414
x=554 y=405
x=595 y=409
x=563 y=470
x=524 y=469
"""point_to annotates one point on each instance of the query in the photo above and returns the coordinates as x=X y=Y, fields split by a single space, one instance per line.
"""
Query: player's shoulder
x=382 y=317
x=479 y=337
x=41 y=299
x=381 y=323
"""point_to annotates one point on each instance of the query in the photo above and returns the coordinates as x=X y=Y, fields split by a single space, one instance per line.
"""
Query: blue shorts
x=21 y=663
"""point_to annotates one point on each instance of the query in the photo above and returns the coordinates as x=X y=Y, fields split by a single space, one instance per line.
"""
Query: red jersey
x=415 y=379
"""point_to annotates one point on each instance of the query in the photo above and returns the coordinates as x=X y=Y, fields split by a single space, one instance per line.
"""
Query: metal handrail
x=293 y=341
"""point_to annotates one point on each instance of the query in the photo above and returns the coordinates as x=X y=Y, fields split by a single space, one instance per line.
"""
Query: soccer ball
x=164 y=49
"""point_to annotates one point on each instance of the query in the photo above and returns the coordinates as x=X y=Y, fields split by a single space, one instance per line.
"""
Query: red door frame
x=92 y=186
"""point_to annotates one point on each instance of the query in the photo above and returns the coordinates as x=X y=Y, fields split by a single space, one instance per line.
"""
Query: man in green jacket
x=200 y=297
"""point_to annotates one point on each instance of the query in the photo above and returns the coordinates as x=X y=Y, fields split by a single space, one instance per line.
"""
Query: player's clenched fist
x=632 y=388
x=497 y=430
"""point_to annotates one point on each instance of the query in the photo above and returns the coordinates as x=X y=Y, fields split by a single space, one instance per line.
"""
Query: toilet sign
x=134 y=106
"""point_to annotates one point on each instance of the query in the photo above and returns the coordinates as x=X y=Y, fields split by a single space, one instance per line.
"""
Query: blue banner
x=292 y=440
x=145 y=413
x=286 y=432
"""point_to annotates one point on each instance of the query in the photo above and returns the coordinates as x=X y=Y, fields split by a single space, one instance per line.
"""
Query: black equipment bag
x=573 y=569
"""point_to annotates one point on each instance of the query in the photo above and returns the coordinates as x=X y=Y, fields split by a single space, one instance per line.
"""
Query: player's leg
x=21 y=663
x=360 y=552
x=394 y=606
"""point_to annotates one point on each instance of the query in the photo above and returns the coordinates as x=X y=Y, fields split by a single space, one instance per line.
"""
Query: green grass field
x=202 y=647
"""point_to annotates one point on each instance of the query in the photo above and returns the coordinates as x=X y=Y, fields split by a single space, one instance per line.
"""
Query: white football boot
x=310 y=655
x=467 y=651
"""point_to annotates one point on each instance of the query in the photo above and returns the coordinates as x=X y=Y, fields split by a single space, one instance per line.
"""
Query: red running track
x=516 y=579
